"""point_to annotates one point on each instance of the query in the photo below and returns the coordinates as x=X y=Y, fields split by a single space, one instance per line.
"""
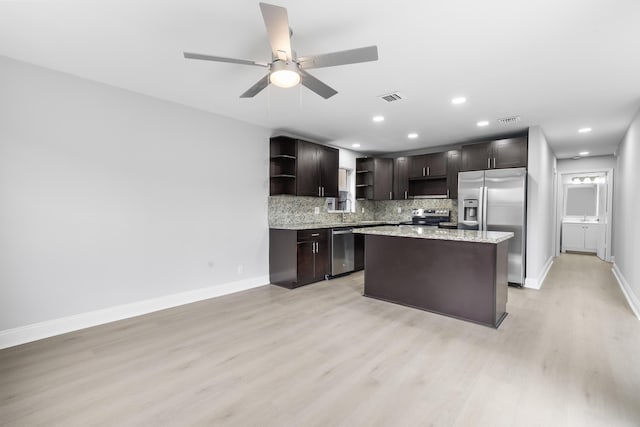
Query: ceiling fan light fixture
x=284 y=74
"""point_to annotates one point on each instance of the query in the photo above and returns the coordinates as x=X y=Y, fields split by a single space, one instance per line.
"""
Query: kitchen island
x=458 y=273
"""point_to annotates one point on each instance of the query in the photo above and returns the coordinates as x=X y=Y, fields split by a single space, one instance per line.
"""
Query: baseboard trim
x=631 y=297
x=50 y=328
x=536 y=282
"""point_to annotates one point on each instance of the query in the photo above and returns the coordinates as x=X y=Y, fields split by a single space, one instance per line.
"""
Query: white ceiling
x=562 y=65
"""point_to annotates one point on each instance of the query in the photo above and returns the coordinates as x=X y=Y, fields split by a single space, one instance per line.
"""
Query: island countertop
x=313 y=225
x=438 y=233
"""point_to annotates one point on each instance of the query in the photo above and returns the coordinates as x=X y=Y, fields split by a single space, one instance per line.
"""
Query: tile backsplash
x=301 y=210
x=387 y=210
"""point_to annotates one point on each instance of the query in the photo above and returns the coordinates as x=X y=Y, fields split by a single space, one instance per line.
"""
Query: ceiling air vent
x=506 y=121
x=391 y=97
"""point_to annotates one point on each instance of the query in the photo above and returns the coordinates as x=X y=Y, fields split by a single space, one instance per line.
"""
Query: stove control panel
x=430 y=212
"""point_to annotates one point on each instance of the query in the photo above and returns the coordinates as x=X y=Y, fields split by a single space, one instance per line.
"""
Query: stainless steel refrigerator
x=495 y=200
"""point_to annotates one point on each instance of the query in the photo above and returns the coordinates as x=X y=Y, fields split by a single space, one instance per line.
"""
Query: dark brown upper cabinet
x=303 y=168
x=453 y=167
x=498 y=154
x=328 y=164
x=401 y=178
x=510 y=153
x=282 y=166
x=428 y=165
x=374 y=178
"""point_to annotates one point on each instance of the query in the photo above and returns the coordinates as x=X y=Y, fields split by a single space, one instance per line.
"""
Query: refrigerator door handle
x=485 y=206
x=481 y=209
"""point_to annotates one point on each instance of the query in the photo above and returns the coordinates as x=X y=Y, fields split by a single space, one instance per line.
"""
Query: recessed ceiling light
x=378 y=118
x=459 y=100
x=483 y=123
x=355 y=145
x=584 y=153
x=584 y=130
x=412 y=135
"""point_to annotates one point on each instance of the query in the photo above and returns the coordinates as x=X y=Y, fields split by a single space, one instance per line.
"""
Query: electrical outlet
x=399 y=210
x=316 y=210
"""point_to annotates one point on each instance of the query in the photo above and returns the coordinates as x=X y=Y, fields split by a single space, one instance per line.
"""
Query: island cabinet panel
x=466 y=280
x=358 y=252
x=298 y=258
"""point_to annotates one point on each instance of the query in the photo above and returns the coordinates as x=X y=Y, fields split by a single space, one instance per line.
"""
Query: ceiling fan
x=287 y=69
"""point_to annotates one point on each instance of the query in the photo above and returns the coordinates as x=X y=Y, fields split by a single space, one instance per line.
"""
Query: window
x=344 y=202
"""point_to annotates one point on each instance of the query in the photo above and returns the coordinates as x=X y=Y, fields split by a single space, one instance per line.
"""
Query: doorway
x=584 y=212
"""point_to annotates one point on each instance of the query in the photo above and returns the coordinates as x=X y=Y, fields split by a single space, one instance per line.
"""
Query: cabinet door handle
x=488 y=163
x=317 y=247
x=447 y=193
x=428 y=171
x=494 y=162
x=423 y=172
x=390 y=195
x=315 y=234
x=405 y=195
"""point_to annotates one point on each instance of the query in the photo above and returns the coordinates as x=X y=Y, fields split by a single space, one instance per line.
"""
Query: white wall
x=586 y=164
x=110 y=197
x=626 y=207
x=540 y=208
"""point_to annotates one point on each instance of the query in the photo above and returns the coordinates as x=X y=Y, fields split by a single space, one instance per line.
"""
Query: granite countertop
x=309 y=226
x=439 y=234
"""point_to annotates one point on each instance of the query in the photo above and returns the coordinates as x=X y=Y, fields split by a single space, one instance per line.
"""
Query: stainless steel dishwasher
x=342 y=253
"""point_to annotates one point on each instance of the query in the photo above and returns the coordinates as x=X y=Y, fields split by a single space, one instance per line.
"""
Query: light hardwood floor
x=323 y=355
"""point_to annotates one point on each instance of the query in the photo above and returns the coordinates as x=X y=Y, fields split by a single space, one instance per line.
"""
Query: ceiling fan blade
x=256 y=88
x=316 y=85
x=352 y=56
x=189 y=55
x=277 y=23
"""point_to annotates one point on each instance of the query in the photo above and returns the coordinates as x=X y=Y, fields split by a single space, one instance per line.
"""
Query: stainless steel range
x=428 y=217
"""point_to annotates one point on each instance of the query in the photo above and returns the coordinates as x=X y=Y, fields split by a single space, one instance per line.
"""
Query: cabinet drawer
x=314 y=234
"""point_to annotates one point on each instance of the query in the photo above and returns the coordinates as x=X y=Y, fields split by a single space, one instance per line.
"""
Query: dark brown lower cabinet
x=298 y=257
x=358 y=251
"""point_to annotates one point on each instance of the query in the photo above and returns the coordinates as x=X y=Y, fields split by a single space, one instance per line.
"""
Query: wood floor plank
x=325 y=355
